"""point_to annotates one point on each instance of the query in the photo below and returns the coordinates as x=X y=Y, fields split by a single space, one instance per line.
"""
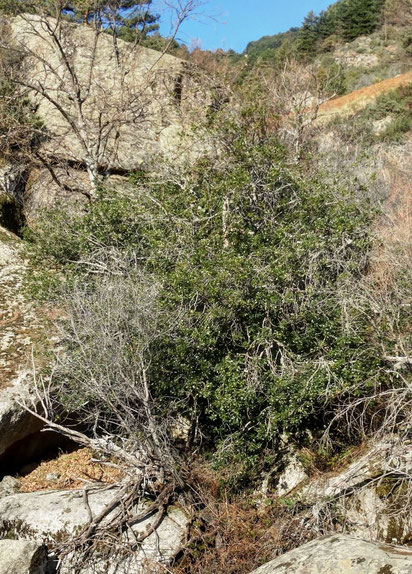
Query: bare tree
x=94 y=88
x=101 y=378
x=295 y=96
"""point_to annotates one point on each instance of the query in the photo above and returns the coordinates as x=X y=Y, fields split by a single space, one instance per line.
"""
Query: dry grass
x=390 y=278
x=237 y=534
x=359 y=99
x=68 y=471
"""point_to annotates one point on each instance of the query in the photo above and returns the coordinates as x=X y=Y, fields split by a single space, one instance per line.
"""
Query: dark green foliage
x=252 y=258
x=396 y=104
x=326 y=25
x=272 y=48
x=308 y=35
x=267 y=299
x=350 y=19
x=17 y=6
x=358 y=17
x=157 y=42
x=131 y=19
x=138 y=21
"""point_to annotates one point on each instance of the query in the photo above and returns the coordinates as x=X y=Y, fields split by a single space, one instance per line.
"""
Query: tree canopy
x=131 y=19
x=345 y=20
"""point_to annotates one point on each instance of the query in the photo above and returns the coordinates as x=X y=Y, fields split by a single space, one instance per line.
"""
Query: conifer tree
x=308 y=35
x=326 y=24
x=138 y=20
x=359 y=17
x=131 y=19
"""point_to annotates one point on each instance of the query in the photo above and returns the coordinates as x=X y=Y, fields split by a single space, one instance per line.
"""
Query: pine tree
x=308 y=35
x=130 y=19
x=326 y=25
x=360 y=17
x=138 y=22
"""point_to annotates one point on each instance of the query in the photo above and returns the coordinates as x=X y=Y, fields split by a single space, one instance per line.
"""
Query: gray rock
x=341 y=554
x=9 y=485
x=165 y=88
x=47 y=517
x=386 y=454
x=22 y=557
x=379 y=126
x=152 y=100
x=52 y=476
x=359 y=493
x=291 y=477
x=42 y=192
x=19 y=327
x=15 y=423
x=370 y=515
x=12 y=180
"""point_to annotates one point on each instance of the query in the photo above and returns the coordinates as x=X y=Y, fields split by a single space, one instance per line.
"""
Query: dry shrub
x=236 y=534
x=387 y=285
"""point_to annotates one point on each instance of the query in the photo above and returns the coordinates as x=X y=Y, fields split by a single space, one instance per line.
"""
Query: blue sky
x=231 y=24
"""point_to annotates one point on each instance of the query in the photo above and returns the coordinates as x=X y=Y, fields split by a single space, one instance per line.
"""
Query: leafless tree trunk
x=103 y=381
x=64 y=73
x=296 y=94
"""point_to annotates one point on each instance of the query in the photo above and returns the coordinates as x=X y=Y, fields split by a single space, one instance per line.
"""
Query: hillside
x=205 y=295
x=360 y=99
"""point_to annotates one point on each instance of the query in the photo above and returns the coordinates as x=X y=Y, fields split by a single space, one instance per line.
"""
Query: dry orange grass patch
x=359 y=99
x=71 y=470
x=234 y=534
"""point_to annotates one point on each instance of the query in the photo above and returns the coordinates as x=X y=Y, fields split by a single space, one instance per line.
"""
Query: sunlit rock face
x=137 y=104
x=140 y=110
x=56 y=516
x=343 y=554
x=20 y=329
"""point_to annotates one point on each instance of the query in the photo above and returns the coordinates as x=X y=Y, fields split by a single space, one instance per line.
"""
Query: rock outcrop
x=22 y=557
x=291 y=476
x=340 y=554
x=23 y=339
x=54 y=516
x=137 y=104
x=20 y=328
x=158 y=89
x=363 y=495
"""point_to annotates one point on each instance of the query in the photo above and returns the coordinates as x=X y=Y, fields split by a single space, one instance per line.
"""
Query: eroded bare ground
x=359 y=99
x=19 y=326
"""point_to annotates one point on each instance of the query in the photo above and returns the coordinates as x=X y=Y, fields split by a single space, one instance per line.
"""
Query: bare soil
x=359 y=99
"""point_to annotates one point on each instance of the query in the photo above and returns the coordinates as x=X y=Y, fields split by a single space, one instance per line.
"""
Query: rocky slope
x=359 y=99
x=20 y=329
x=50 y=517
